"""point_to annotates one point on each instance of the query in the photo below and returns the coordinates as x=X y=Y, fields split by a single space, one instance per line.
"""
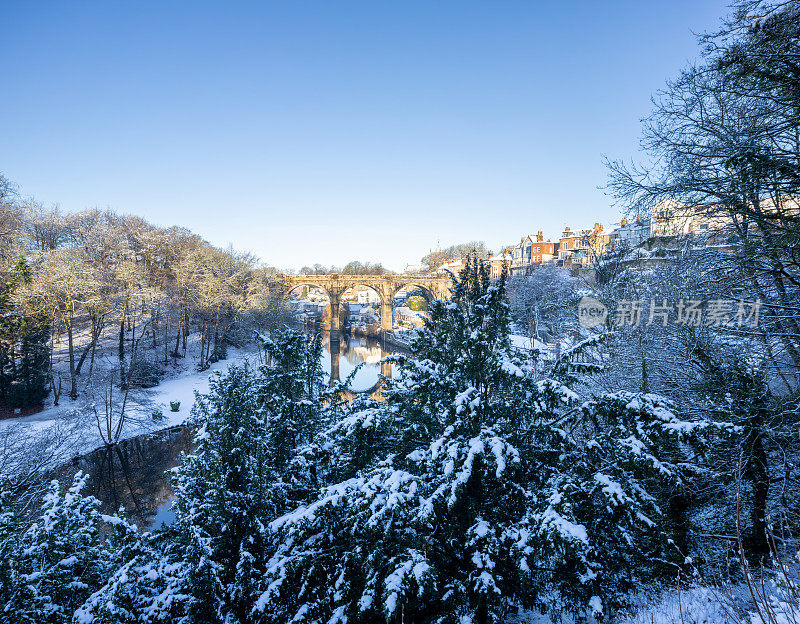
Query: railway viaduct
x=335 y=285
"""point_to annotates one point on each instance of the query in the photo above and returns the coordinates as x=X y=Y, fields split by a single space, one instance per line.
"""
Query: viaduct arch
x=387 y=286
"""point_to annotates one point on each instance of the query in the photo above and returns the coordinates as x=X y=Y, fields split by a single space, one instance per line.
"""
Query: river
x=133 y=474
x=340 y=360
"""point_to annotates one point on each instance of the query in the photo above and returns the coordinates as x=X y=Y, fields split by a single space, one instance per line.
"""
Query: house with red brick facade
x=532 y=250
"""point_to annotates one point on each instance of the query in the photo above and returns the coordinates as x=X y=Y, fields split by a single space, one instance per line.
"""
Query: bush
x=417 y=303
x=146 y=374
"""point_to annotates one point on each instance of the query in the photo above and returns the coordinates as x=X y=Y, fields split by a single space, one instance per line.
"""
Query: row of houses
x=581 y=248
x=577 y=248
x=668 y=220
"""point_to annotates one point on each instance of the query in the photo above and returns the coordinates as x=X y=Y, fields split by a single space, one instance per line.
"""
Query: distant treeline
x=354 y=267
x=437 y=258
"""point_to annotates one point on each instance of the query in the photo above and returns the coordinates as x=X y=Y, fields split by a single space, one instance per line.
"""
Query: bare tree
x=722 y=150
x=723 y=147
x=46 y=228
x=544 y=302
x=437 y=258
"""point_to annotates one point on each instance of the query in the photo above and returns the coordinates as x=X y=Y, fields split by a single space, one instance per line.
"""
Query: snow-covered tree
x=493 y=491
x=9 y=542
x=752 y=461
x=24 y=350
x=240 y=477
x=61 y=558
x=721 y=147
x=144 y=584
x=545 y=301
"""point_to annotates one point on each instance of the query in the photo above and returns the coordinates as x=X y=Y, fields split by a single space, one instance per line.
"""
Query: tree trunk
x=185 y=329
x=214 y=352
x=678 y=512
x=73 y=392
x=645 y=378
x=86 y=349
x=175 y=353
x=121 y=351
x=94 y=349
x=758 y=475
x=132 y=350
x=202 y=345
x=96 y=329
x=166 y=339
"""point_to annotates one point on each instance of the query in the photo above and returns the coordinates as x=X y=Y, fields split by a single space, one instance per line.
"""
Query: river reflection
x=133 y=475
x=340 y=358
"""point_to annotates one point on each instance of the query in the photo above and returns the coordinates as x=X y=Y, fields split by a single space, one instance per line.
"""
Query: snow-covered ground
x=694 y=605
x=526 y=342
x=73 y=426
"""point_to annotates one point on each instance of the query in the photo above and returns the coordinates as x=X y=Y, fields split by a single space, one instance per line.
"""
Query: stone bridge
x=435 y=287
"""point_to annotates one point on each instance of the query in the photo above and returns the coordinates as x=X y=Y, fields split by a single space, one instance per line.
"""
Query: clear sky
x=334 y=130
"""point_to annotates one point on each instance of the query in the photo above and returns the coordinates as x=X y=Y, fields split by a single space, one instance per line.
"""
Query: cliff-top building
x=531 y=251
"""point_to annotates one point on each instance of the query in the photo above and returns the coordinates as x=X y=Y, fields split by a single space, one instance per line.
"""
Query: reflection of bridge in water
x=386 y=286
x=359 y=351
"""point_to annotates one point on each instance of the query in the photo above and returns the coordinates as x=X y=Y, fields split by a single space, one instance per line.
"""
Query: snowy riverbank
x=71 y=428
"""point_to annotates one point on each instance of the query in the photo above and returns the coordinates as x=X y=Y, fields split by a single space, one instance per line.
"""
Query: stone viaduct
x=435 y=287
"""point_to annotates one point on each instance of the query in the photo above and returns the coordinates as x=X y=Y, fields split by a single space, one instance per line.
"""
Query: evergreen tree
x=739 y=396
x=241 y=477
x=61 y=559
x=474 y=490
x=144 y=583
x=9 y=543
x=491 y=492
x=24 y=352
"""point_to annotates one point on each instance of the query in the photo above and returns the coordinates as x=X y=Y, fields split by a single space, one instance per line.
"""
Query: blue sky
x=335 y=130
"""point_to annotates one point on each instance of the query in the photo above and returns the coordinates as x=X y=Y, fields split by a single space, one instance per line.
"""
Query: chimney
x=539 y=236
x=623 y=223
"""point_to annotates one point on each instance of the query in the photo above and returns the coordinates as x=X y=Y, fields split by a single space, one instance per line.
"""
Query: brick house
x=532 y=250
